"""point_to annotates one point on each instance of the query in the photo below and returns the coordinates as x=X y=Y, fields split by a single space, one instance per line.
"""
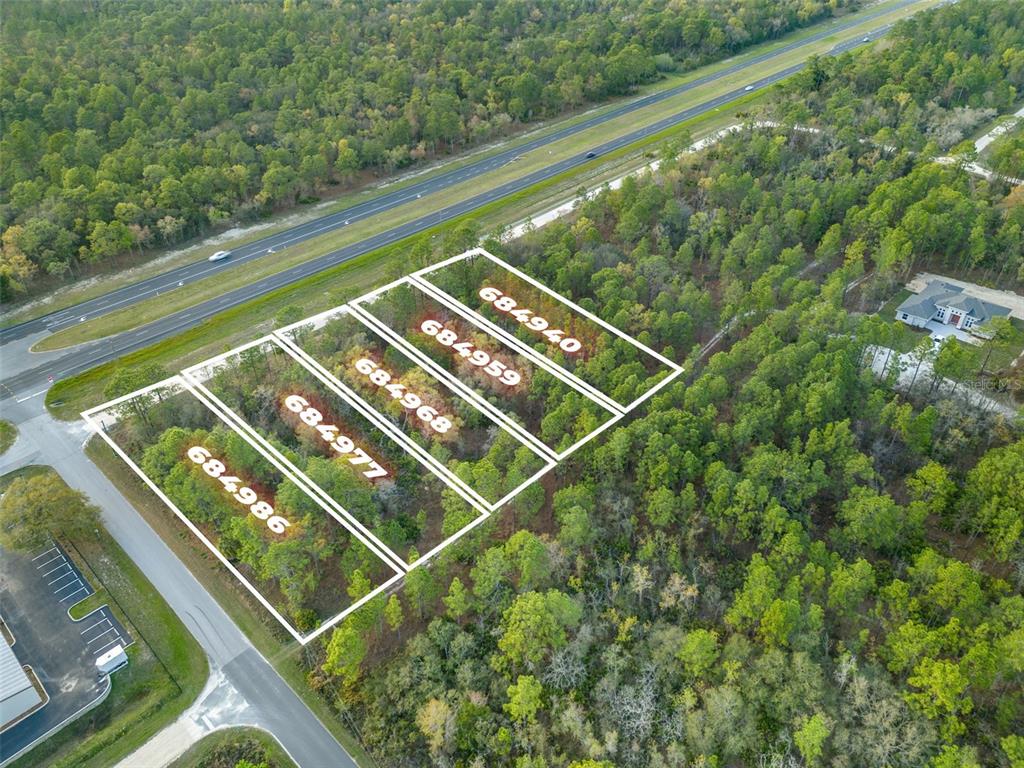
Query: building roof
x=17 y=694
x=940 y=294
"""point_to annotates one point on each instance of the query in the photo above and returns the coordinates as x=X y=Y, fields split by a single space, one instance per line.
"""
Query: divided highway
x=174 y=278
x=86 y=356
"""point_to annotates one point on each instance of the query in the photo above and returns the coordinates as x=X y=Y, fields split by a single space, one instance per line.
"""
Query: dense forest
x=134 y=124
x=928 y=84
x=1006 y=154
x=782 y=561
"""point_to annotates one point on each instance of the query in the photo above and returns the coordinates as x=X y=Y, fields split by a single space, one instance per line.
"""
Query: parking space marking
x=61 y=578
x=94 y=625
x=119 y=639
x=101 y=634
x=55 y=569
x=51 y=549
x=72 y=594
x=111 y=632
x=43 y=565
x=105 y=620
x=77 y=580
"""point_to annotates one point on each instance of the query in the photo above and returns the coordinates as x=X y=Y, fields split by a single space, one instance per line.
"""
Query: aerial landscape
x=584 y=384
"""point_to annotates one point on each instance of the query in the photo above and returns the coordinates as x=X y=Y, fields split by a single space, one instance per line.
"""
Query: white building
x=949 y=304
x=18 y=696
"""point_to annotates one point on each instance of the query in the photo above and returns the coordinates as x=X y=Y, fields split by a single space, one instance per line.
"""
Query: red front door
x=954 y=319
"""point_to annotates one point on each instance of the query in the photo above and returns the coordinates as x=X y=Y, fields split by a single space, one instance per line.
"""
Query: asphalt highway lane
x=89 y=355
x=188 y=273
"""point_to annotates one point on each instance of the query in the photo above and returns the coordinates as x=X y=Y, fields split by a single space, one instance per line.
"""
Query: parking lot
x=36 y=592
x=101 y=630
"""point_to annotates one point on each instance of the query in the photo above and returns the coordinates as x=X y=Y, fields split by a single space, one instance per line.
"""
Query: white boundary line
x=283 y=465
x=392 y=336
x=189 y=381
x=538 y=449
x=418 y=452
x=380 y=423
x=524 y=350
x=303 y=639
x=388 y=337
x=309 y=486
x=169 y=381
x=453 y=382
x=553 y=294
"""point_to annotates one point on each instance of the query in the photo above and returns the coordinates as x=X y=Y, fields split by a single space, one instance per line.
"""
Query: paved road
x=29 y=380
x=170 y=280
x=271 y=704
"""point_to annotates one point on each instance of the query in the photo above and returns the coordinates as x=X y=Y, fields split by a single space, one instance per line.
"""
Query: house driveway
x=935 y=328
x=1008 y=299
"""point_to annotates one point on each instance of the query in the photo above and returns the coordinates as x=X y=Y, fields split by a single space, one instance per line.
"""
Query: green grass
x=329 y=288
x=30 y=471
x=8 y=434
x=263 y=631
x=888 y=310
x=1001 y=354
x=73 y=294
x=166 y=671
x=985 y=158
x=194 y=293
x=222 y=749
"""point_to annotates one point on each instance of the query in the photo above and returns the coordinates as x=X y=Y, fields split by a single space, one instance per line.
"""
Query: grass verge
x=95 y=287
x=194 y=293
x=286 y=655
x=8 y=434
x=226 y=747
x=167 y=668
x=329 y=288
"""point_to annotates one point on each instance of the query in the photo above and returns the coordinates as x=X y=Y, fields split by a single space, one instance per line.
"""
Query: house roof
x=941 y=294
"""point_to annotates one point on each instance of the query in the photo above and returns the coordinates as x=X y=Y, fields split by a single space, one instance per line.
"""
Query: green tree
x=943 y=694
x=535 y=624
x=699 y=652
x=810 y=738
x=393 y=613
x=36 y=507
x=457 y=599
x=524 y=699
x=993 y=500
x=345 y=653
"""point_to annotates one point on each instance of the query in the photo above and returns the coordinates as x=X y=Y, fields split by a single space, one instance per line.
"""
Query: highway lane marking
x=29 y=397
x=458 y=174
x=629 y=138
x=597 y=120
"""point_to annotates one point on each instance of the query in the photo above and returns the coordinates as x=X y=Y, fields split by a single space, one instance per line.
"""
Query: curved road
x=170 y=280
x=89 y=355
x=272 y=705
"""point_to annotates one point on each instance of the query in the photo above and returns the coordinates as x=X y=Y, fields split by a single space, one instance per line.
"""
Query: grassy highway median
x=194 y=293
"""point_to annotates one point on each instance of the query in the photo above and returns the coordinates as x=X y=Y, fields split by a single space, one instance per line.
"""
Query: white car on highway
x=219 y=256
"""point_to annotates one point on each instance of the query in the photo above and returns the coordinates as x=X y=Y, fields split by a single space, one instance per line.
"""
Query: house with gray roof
x=946 y=303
